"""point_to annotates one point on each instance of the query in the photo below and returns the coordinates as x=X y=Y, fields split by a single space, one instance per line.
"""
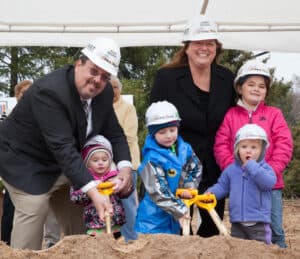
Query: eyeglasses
x=103 y=76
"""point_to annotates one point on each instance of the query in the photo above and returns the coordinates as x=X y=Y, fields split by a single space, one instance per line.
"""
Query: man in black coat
x=41 y=140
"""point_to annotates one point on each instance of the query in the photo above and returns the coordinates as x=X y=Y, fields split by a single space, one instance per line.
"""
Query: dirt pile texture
x=170 y=246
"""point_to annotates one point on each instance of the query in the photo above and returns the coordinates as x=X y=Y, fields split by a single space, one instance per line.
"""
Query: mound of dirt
x=154 y=246
x=169 y=246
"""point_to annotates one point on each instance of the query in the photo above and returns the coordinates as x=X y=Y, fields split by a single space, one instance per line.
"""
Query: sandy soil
x=170 y=246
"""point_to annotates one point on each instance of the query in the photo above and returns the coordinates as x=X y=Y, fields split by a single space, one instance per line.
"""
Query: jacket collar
x=241 y=104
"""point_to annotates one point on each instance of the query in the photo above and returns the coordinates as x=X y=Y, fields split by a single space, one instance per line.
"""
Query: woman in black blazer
x=202 y=91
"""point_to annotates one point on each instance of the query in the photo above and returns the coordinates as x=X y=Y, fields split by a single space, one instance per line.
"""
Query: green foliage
x=1 y=186
x=233 y=59
x=135 y=87
x=137 y=71
x=291 y=175
x=19 y=63
x=280 y=96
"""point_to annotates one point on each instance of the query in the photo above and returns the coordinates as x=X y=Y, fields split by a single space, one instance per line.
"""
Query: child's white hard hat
x=251 y=131
x=160 y=113
x=253 y=67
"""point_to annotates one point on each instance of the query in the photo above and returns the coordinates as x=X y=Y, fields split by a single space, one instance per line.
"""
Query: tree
x=19 y=63
x=295 y=100
x=280 y=96
x=291 y=174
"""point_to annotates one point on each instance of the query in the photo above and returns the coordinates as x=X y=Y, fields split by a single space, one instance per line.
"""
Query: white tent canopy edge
x=247 y=25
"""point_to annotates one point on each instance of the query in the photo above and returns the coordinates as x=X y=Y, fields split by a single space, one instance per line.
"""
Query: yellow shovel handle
x=106 y=188
x=193 y=193
x=209 y=202
x=206 y=201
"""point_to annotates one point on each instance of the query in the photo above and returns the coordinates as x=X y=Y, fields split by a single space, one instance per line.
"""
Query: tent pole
x=204 y=6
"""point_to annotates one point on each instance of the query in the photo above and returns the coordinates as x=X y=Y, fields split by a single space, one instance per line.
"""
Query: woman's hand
x=101 y=202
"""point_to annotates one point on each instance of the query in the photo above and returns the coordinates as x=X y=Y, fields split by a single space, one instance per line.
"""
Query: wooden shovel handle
x=186 y=224
x=186 y=227
x=108 y=223
x=219 y=223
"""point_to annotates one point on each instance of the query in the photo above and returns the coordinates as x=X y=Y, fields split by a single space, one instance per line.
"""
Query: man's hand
x=101 y=202
x=126 y=186
x=117 y=183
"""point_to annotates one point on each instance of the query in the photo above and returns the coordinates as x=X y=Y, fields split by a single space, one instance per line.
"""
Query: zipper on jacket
x=243 y=193
x=250 y=116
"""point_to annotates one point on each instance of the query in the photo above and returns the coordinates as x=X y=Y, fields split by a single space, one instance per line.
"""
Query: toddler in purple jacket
x=97 y=156
x=248 y=181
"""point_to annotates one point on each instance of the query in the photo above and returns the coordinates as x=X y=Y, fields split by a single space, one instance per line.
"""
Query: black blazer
x=45 y=132
x=197 y=127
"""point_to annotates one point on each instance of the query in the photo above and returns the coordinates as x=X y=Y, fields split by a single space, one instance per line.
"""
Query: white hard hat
x=105 y=53
x=200 y=28
x=253 y=67
x=161 y=112
x=251 y=131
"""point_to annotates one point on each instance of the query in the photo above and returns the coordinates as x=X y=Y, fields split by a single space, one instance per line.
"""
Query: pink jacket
x=279 y=152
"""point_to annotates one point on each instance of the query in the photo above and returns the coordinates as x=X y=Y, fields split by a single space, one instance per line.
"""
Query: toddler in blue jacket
x=168 y=163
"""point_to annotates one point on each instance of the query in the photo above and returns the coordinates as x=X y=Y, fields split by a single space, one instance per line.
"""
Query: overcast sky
x=286 y=64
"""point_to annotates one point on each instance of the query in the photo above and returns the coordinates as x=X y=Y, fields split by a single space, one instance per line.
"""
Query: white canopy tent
x=272 y=25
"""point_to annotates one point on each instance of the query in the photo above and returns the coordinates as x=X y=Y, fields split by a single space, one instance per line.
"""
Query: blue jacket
x=162 y=173
x=249 y=190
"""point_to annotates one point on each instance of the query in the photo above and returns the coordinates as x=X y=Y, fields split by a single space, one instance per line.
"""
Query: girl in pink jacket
x=252 y=85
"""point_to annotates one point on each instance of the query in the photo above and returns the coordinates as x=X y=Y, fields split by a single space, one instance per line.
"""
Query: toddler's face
x=167 y=136
x=99 y=162
x=249 y=149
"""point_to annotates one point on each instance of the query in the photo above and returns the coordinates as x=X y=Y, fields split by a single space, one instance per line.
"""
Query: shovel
x=209 y=202
x=188 y=202
x=106 y=188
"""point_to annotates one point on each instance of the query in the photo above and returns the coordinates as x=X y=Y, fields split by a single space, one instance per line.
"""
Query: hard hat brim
x=202 y=36
x=100 y=63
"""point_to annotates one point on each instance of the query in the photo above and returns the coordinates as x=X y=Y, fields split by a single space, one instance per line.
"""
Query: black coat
x=45 y=132
x=176 y=86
